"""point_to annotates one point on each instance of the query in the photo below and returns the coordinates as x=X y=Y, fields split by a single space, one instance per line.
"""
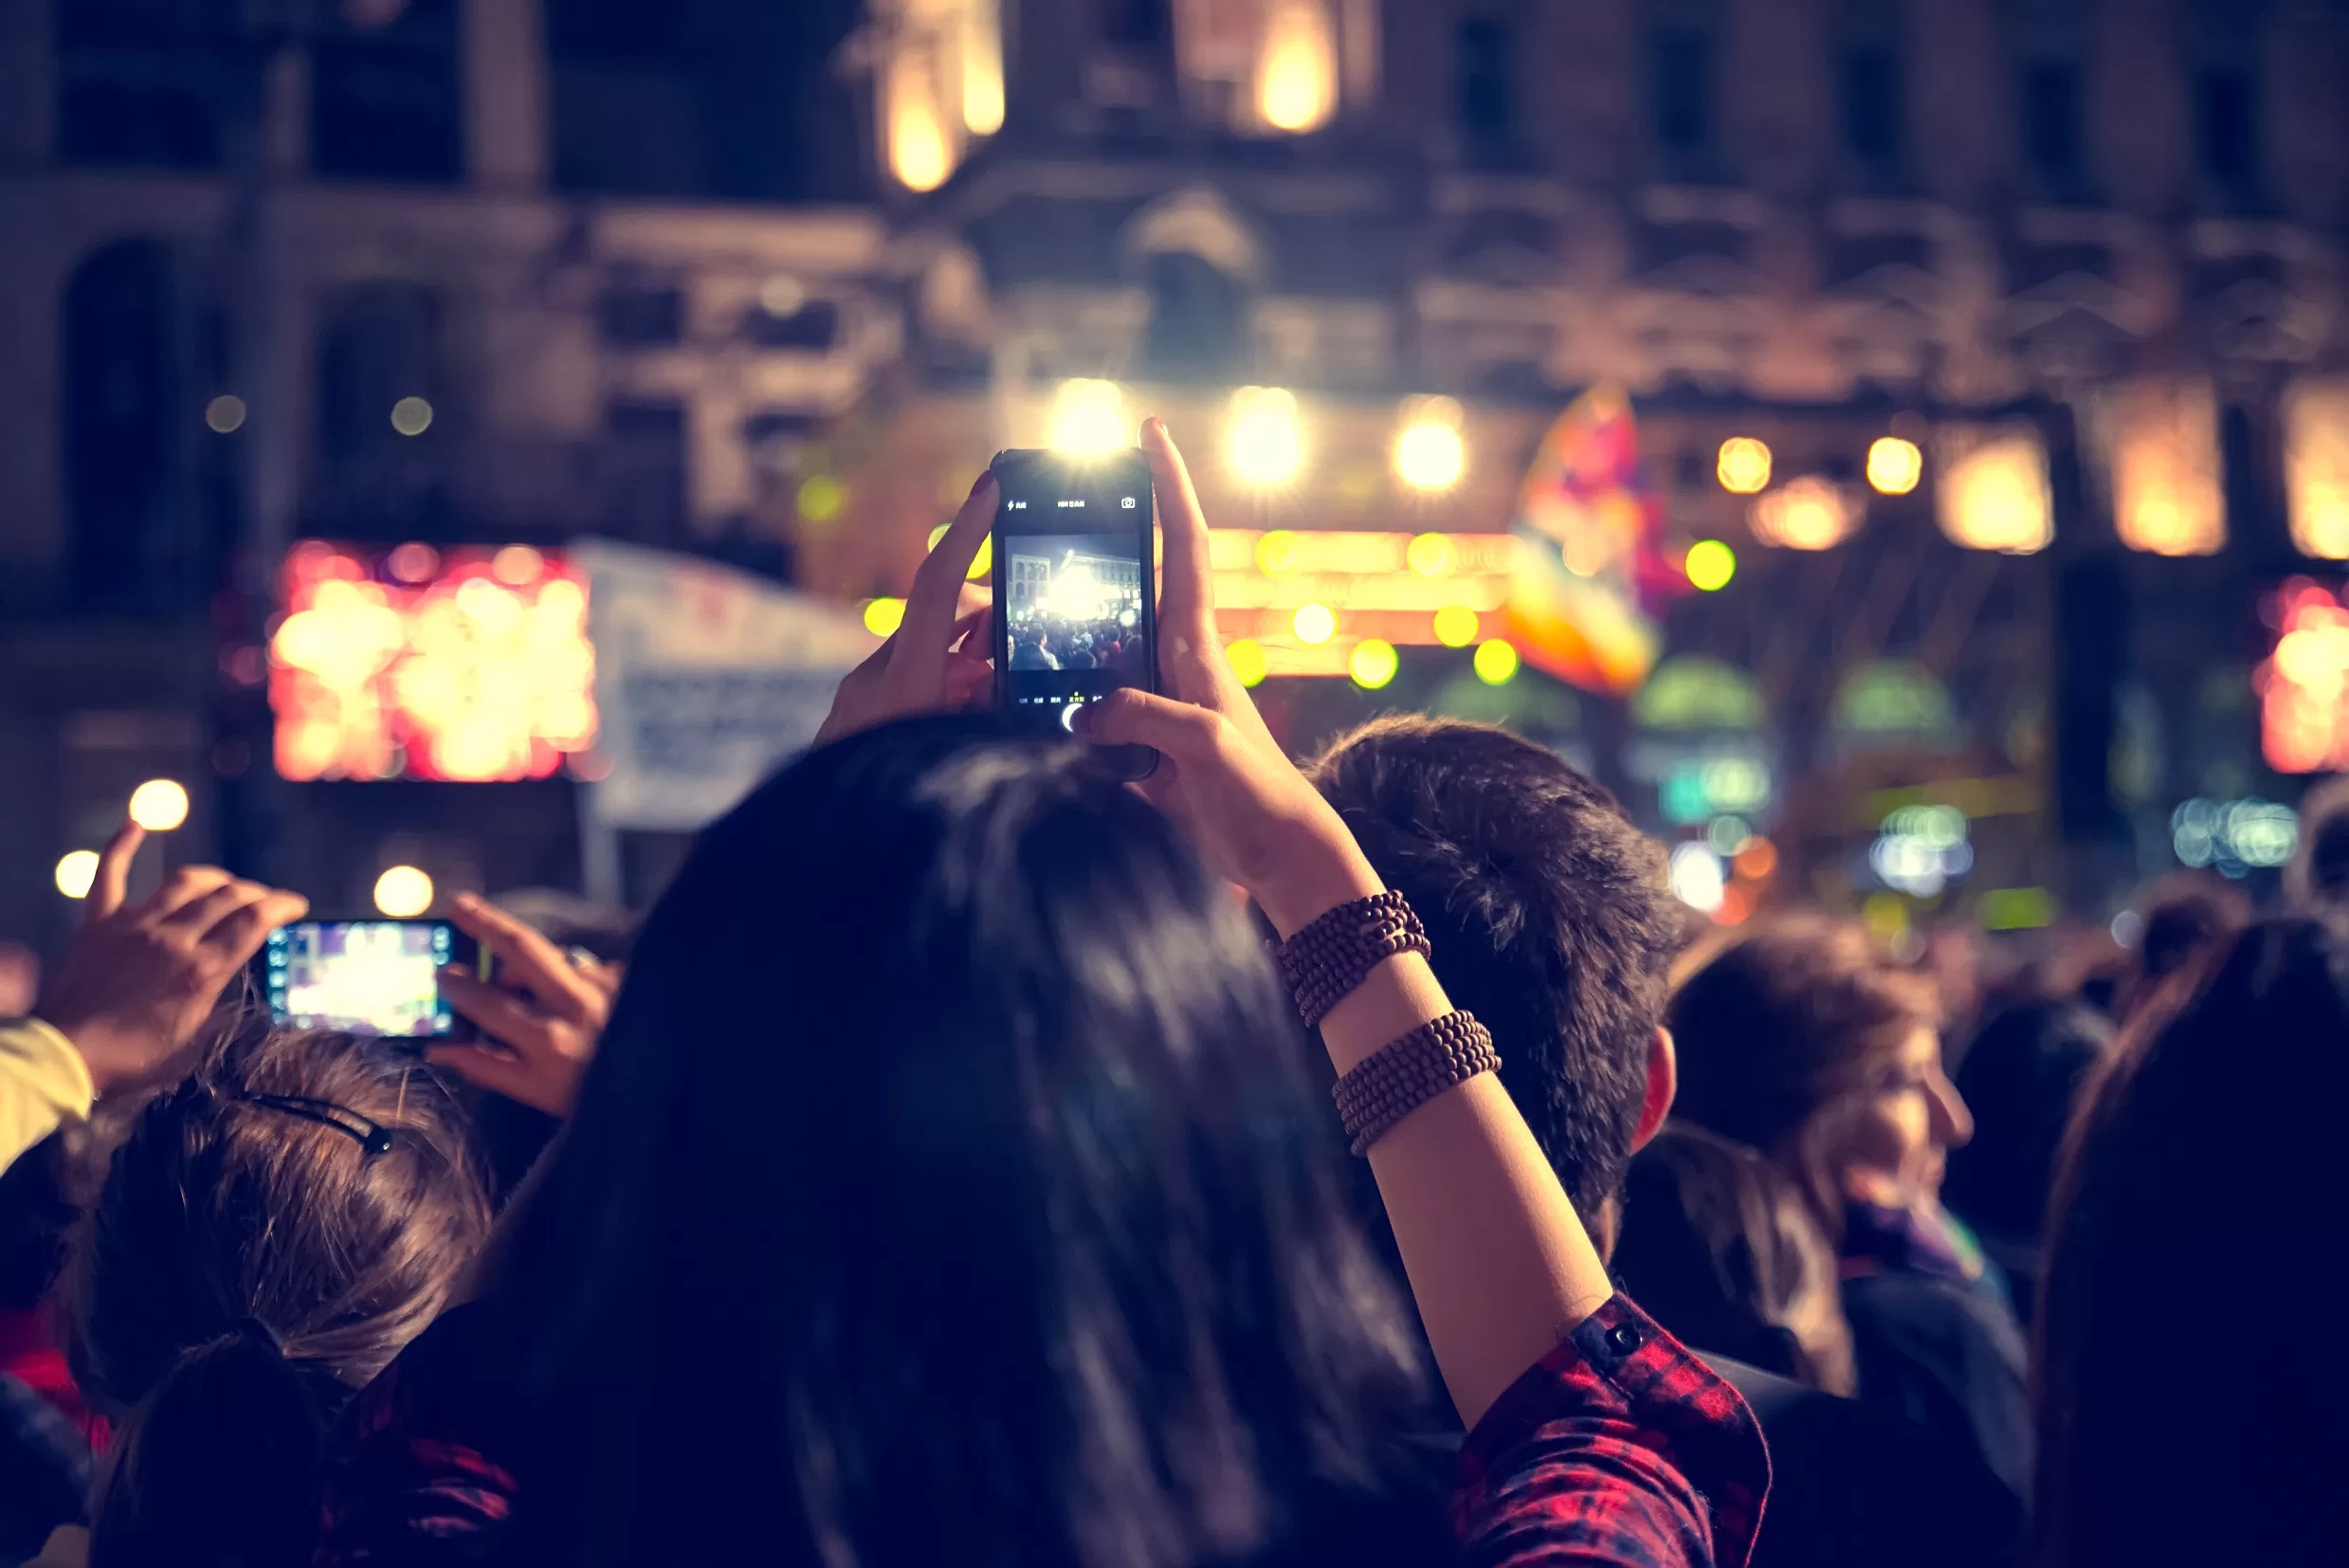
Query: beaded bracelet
x=1405 y=1073
x=1329 y=958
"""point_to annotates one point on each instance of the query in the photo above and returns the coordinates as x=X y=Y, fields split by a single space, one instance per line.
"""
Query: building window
x=639 y=315
x=811 y=325
x=1136 y=24
x=1487 y=106
x=2226 y=127
x=139 y=82
x=385 y=102
x=1681 y=90
x=644 y=471
x=124 y=404
x=1198 y=321
x=2051 y=119
x=1872 y=106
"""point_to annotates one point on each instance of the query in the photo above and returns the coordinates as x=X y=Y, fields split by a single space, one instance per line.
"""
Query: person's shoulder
x=1851 y=1484
x=1924 y=1311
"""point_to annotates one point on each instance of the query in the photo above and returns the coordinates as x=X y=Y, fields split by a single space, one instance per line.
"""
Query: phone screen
x=363 y=976
x=1076 y=599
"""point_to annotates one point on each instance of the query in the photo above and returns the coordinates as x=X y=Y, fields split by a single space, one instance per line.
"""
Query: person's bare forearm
x=1500 y=1264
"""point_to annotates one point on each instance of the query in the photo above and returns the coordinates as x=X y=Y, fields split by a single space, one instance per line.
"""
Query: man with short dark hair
x=1549 y=920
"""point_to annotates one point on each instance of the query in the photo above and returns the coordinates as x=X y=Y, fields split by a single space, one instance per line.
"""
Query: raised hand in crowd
x=138 y=980
x=541 y=1017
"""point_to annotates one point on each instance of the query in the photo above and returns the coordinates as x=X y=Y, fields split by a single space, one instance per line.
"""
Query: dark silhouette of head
x=2188 y=917
x=249 y=1263
x=1548 y=914
x=2200 y=1186
x=2318 y=877
x=2020 y=1078
x=1719 y=1245
x=950 y=1112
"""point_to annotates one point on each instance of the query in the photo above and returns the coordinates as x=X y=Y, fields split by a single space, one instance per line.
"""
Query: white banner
x=705 y=678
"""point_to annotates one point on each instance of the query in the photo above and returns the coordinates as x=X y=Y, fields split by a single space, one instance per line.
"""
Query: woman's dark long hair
x=2198 y=1276
x=243 y=1270
x=946 y=1186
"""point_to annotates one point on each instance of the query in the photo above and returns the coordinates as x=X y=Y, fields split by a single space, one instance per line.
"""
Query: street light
x=159 y=805
x=1429 y=454
x=403 y=892
x=1264 y=443
x=1087 y=418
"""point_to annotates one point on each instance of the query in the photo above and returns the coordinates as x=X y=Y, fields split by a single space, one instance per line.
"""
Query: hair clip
x=373 y=1136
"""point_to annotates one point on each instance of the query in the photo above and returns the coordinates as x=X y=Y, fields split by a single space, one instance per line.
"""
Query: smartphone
x=1076 y=588
x=377 y=977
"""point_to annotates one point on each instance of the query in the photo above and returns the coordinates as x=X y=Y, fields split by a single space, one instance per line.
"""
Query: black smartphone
x=1076 y=588
x=378 y=977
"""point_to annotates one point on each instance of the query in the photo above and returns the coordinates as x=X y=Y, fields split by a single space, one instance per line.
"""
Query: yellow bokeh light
x=1276 y=553
x=225 y=414
x=1456 y=625
x=1372 y=662
x=1496 y=662
x=1265 y=444
x=918 y=153
x=1314 y=624
x=77 y=873
x=820 y=496
x=1297 y=75
x=982 y=71
x=981 y=564
x=1894 y=465
x=159 y=805
x=1430 y=456
x=1087 y=416
x=1430 y=554
x=1711 y=564
x=884 y=616
x=1247 y=659
x=1992 y=492
x=403 y=892
x=1743 y=466
x=1809 y=513
x=411 y=416
x=516 y=565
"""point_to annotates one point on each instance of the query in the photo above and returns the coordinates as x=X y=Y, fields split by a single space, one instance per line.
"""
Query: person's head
x=949 y=1110
x=2318 y=877
x=2019 y=1079
x=250 y=1261
x=2185 y=920
x=1801 y=1040
x=1549 y=921
x=2201 y=1188
x=1721 y=1246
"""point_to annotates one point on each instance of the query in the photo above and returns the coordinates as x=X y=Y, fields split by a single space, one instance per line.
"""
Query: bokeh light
x=77 y=873
x=1496 y=662
x=1372 y=662
x=1087 y=418
x=1809 y=513
x=1264 y=443
x=225 y=415
x=821 y=497
x=1743 y=466
x=1247 y=659
x=884 y=616
x=1456 y=625
x=403 y=892
x=1430 y=554
x=1314 y=624
x=1276 y=552
x=1429 y=454
x=1711 y=564
x=1894 y=465
x=1297 y=74
x=1696 y=877
x=159 y=805
x=411 y=416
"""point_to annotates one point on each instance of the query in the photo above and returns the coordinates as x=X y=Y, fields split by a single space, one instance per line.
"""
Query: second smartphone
x=1076 y=592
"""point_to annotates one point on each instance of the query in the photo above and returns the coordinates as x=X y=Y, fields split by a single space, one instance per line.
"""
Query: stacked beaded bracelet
x=1398 y=1078
x=1328 y=959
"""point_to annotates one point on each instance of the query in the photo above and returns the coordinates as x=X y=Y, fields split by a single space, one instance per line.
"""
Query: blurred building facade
x=768 y=282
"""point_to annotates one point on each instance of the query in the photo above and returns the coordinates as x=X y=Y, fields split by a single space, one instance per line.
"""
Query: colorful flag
x=1589 y=570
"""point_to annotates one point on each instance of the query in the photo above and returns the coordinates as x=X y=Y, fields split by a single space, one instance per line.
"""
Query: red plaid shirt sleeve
x=1619 y=1447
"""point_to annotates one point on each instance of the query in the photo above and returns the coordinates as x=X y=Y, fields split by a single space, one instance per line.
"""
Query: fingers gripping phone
x=378 y=977
x=1076 y=588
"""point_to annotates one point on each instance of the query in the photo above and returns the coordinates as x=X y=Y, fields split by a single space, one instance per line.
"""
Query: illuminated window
x=1297 y=74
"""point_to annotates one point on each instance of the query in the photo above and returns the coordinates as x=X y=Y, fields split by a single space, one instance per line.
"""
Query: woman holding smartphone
x=945 y=1132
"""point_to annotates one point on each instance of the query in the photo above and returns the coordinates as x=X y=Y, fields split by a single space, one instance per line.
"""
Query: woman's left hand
x=547 y=1015
x=936 y=660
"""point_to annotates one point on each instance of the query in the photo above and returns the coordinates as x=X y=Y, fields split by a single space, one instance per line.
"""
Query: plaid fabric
x=1619 y=1447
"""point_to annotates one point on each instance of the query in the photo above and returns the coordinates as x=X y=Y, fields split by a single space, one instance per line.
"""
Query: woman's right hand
x=1221 y=778
x=547 y=1015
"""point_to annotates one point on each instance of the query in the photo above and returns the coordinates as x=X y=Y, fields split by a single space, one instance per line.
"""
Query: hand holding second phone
x=136 y=983
x=1221 y=776
x=548 y=1013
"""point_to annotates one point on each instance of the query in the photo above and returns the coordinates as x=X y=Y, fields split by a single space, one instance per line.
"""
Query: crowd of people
x=1043 y=641
x=950 y=1170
